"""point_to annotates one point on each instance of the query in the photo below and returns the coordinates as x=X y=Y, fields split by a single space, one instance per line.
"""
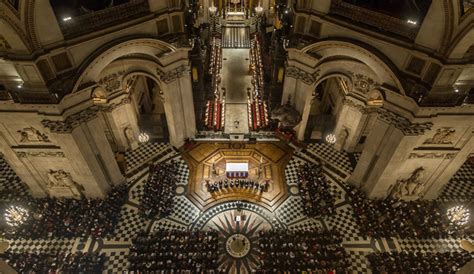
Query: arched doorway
x=326 y=105
x=147 y=100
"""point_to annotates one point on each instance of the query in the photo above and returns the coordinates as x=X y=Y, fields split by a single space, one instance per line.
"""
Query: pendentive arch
x=385 y=69
x=92 y=67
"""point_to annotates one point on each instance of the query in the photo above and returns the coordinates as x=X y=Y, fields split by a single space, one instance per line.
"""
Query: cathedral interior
x=236 y=136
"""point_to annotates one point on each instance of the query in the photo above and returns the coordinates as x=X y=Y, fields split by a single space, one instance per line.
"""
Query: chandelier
x=331 y=138
x=458 y=215
x=143 y=137
x=15 y=215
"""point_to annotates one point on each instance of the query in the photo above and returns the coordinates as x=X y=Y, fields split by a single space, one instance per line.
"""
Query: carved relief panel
x=410 y=188
x=32 y=135
x=61 y=184
x=444 y=136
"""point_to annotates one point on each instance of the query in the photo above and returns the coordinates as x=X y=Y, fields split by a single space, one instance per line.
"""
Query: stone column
x=448 y=164
x=349 y=125
x=384 y=140
x=123 y=122
x=92 y=159
x=299 y=85
x=178 y=104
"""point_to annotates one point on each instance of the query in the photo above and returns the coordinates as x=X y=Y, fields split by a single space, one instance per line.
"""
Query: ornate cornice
x=73 y=121
x=408 y=128
x=174 y=74
x=299 y=74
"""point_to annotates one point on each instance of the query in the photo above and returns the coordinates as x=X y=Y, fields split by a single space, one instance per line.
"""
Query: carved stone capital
x=174 y=74
x=84 y=116
x=299 y=74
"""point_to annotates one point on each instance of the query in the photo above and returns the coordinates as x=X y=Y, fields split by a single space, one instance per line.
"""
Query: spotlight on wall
x=143 y=137
x=458 y=215
x=413 y=22
x=15 y=215
x=331 y=138
x=67 y=18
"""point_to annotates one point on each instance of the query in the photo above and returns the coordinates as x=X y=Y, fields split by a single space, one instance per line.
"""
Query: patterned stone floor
x=289 y=215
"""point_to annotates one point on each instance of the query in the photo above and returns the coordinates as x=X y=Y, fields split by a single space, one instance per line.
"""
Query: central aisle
x=236 y=81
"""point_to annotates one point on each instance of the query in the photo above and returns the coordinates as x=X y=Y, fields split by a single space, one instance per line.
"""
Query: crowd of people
x=300 y=251
x=315 y=191
x=409 y=262
x=181 y=251
x=157 y=199
x=230 y=185
x=68 y=218
x=396 y=218
x=76 y=263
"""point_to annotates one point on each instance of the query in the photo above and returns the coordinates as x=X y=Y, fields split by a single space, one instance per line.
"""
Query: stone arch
x=380 y=64
x=12 y=30
x=96 y=63
x=462 y=42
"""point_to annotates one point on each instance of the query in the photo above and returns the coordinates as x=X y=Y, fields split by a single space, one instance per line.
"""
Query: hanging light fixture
x=143 y=137
x=458 y=215
x=15 y=215
x=331 y=138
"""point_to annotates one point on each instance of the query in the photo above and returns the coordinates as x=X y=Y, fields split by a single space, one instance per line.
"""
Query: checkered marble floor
x=289 y=215
x=461 y=186
x=329 y=154
x=144 y=154
x=11 y=185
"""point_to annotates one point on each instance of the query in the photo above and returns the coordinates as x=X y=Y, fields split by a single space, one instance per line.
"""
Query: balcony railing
x=375 y=19
x=96 y=20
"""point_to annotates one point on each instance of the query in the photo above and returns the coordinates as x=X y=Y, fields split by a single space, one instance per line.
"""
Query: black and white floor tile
x=11 y=186
x=329 y=154
x=289 y=215
x=461 y=186
x=144 y=153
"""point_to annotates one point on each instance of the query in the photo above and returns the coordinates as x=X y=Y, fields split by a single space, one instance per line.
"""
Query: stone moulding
x=73 y=121
x=297 y=73
x=47 y=154
x=431 y=155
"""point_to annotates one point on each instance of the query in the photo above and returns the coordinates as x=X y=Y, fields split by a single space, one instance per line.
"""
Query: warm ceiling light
x=412 y=22
x=67 y=18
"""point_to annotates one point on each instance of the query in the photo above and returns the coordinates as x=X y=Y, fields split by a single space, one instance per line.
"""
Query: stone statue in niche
x=411 y=187
x=32 y=135
x=62 y=179
x=443 y=135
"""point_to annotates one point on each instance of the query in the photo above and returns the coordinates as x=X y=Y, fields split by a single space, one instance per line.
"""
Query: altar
x=237 y=170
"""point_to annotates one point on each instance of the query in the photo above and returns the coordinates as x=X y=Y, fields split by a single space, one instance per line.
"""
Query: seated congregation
x=300 y=251
x=68 y=218
x=157 y=199
x=180 y=251
x=73 y=263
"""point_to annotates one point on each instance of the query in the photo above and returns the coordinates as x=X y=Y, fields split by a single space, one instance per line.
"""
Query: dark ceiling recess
x=77 y=7
x=402 y=9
